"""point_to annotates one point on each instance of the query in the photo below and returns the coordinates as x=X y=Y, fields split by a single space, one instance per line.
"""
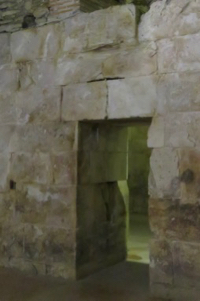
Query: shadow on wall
x=138 y=168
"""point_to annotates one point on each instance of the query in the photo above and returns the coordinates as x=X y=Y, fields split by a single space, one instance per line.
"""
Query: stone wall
x=138 y=168
x=100 y=66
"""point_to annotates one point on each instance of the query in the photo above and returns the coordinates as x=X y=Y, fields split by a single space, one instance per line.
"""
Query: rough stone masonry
x=100 y=66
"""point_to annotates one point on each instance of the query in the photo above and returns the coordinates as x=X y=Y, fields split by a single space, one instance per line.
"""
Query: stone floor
x=127 y=281
x=138 y=239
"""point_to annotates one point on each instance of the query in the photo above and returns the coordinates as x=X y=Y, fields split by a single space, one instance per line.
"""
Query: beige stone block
x=4 y=171
x=111 y=26
x=186 y=257
x=80 y=68
x=180 y=92
x=65 y=168
x=164 y=173
x=84 y=101
x=8 y=112
x=40 y=72
x=46 y=205
x=137 y=61
x=101 y=167
x=33 y=43
x=31 y=168
x=156 y=133
x=135 y=97
x=189 y=175
x=5 y=56
x=161 y=262
x=181 y=129
x=38 y=105
x=179 y=54
x=177 y=18
x=8 y=141
x=8 y=79
x=47 y=138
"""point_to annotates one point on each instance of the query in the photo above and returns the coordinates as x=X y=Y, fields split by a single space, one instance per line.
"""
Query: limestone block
x=181 y=129
x=111 y=26
x=156 y=133
x=64 y=168
x=33 y=43
x=7 y=206
x=131 y=98
x=81 y=68
x=176 y=18
x=137 y=61
x=44 y=205
x=8 y=79
x=179 y=54
x=5 y=56
x=164 y=174
x=189 y=175
x=101 y=28
x=161 y=262
x=101 y=167
x=84 y=101
x=8 y=112
x=8 y=141
x=186 y=258
x=164 y=218
x=31 y=168
x=39 y=72
x=47 y=138
x=180 y=92
x=4 y=171
x=37 y=105
x=74 y=36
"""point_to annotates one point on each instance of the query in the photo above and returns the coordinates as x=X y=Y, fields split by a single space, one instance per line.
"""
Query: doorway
x=112 y=226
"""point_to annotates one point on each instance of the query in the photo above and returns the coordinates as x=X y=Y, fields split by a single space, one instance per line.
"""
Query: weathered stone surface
x=179 y=54
x=81 y=68
x=44 y=205
x=47 y=138
x=37 y=105
x=8 y=79
x=189 y=175
x=181 y=129
x=8 y=141
x=31 y=168
x=176 y=18
x=164 y=218
x=102 y=28
x=179 y=92
x=161 y=262
x=8 y=112
x=186 y=264
x=130 y=98
x=137 y=61
x=65 y=168
x=164 y=174
x=5 y=56
x=156 y=133
x=36 y=43
x=84 y=101
x=4 y=171
x=38 y=72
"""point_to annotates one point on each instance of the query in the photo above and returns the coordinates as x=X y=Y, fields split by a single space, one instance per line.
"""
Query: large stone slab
x=64 y=168
x=8 y=79
x=164 y=174
x=137 y=61
x=84 y=101
x=156 y=133
x=37 y=105
x=4 y=171
x=8 y=111
x=179 y=54
x=33 y=43
x=131 y=98
x=181 y=129
x=167 y=19
x=179 y=92
x=5 y=55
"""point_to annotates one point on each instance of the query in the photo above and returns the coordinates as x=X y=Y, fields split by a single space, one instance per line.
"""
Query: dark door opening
x=112 y=200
